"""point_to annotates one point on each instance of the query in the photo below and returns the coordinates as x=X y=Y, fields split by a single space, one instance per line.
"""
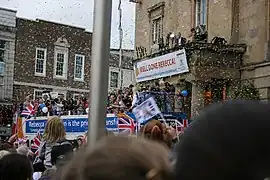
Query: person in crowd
x=61 y=153
x=80 y=106
x=57 y=107
x=48 y=174
x=3 y=153
x=6 y=146
x=24 y=150
x=40 y=107
x=192 y=35
x=226 y=141
x=118 y=158
x=54 y=133
x=15 y=167
x=63 y=103
x=121 y=101
x=179 y=40
x=111 y=102
x=155 y=130
x=9 y=145
x=70 y=106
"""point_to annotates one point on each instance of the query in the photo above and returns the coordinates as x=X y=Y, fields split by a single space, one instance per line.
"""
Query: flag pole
x=99 y=70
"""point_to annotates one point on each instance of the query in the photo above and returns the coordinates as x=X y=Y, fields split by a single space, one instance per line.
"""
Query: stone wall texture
x=238 y=21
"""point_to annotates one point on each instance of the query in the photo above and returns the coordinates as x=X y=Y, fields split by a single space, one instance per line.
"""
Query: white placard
x=146 y=110
x=161 y=66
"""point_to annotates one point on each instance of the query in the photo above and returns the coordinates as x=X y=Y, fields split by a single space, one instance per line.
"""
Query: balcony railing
x=167 y=102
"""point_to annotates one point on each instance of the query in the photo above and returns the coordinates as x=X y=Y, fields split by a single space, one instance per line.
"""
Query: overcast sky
x=78 y=13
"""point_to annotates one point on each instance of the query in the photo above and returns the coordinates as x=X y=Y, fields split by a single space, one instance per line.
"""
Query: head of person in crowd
x=155 y=130
x=9 y=145
x=3 y=153
x=81 y=140
x=48 y=174
x=112 y=98
x=226 y=141
x=54 y=130
x=24 y=150
x=5 y=146
x=61 y=153
x=15 y=166
x=117 y=158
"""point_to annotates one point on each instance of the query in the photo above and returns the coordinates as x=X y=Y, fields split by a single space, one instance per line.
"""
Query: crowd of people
x=119 y=101
x=222 y=143
x=50 y=106
x=164 y=94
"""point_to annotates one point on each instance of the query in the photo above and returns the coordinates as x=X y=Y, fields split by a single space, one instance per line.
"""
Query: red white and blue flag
x=180 y=127
x=29 y=110
x=36 y=143
x=126 y=124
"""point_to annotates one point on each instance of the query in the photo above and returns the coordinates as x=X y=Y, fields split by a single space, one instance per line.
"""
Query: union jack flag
x=126 y=124
x=36 y=143
x=29 y=110
x=181 y=126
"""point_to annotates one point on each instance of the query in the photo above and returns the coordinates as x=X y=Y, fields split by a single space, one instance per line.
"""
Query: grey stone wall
x=7 y=34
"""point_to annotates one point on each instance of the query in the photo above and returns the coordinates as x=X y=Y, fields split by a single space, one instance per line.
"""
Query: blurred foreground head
x=227 y=141
x=118 y=158
x=15 y=166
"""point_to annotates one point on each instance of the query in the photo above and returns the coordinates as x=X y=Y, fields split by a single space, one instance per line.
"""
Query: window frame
x=59 y=50
x=117 y=83
x=156 y=34
x=3 y=62
x=4 y=65
x=75 y=66
x=44 y=62
x=201 y=10
x=37 y=90
x=2 y=81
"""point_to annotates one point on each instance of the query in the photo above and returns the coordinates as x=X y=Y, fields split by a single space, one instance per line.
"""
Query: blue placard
x=112 y=124
x=72 y=124
x=79 y=124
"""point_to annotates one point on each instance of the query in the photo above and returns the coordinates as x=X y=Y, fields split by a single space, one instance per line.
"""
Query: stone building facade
x=55 y=57
x=245 y=25
x=126 y=77
x=51 y=57
x=7 y=50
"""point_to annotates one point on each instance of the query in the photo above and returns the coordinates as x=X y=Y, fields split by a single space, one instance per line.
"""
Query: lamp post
x=99 y=70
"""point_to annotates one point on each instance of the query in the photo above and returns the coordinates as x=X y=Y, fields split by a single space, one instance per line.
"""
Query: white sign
x=161 y=66
x=146 y=110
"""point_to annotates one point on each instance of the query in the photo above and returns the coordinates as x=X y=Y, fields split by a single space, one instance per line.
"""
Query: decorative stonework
x=62 y=42
x=156 y=10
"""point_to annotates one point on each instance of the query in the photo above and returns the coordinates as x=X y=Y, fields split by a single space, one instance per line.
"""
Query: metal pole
x=120 y=69
x=120 y=43
x=99 y=71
